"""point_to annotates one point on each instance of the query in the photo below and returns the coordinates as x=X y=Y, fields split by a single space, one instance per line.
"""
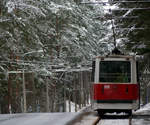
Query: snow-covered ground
x=145 y=110
x=37 y=119
x=72 y=107
x=42 y=118
x=64 y=118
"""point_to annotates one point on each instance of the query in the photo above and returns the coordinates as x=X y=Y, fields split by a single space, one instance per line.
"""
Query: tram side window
x=137 y=68
x=93 y=71
x=115 y=71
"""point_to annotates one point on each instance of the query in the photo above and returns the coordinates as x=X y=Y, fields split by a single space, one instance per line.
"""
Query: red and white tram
x=115 y=84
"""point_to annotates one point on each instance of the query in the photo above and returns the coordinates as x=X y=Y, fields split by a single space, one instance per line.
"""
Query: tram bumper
x=130 y=105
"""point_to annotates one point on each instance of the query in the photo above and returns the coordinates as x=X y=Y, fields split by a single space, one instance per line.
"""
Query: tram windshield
x=115 y=71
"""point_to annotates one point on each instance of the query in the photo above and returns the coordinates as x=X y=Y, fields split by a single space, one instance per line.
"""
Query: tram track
x=92 y=118
x=129 y=119
x=96 y=121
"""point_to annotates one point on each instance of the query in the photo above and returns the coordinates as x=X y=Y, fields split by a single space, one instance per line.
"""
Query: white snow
x=63 y=118
x=144 y=109
x=11 y=6
x=72 y=105
x=114 y=122
x=37 y=119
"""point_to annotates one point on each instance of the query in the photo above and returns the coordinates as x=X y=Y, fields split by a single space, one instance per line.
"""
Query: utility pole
x=24 y=91
x=64 y=97
x=74 y=92
x=64 y=92
x=82 y=89
x=9 y=94
x=9 y=89
x=24 y=84
x=47 y=96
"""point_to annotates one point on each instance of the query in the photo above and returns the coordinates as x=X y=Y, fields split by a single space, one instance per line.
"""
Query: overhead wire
x=114 y=2
x=112 y=18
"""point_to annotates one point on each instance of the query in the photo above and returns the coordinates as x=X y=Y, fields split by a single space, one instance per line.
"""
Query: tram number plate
x=106 y=86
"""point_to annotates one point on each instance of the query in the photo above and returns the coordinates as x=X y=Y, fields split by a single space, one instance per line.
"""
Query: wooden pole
x=47 y=96
x=9 y=94
x=24 y=89
x=75 y=96
x=80 y=100
x=69 y=102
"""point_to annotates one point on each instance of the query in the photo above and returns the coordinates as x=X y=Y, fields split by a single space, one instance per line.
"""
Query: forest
x=47 y=47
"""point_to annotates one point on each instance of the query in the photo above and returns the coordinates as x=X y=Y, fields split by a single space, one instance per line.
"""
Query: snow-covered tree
x=41 y=36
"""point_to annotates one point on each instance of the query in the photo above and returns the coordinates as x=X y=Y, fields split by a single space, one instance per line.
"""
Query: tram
x=115 y=84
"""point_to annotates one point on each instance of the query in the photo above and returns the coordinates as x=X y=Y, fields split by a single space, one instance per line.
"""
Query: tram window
x=93 y=71
x=137 y=71
x=115 y=71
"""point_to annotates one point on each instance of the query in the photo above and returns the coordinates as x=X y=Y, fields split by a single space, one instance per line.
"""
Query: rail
x=91 y=118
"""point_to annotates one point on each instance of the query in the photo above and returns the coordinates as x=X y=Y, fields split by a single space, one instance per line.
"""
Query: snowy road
x=61 y=119
x=37 y=119
x=64 y=118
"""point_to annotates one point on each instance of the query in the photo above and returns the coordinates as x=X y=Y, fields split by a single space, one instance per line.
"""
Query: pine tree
x=137 y=28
